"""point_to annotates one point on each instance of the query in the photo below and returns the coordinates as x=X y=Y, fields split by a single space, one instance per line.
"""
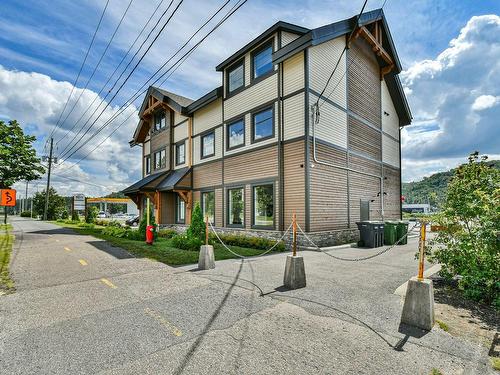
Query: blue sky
x=450 y=53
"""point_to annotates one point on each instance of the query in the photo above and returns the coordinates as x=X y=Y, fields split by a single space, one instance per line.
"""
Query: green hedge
x=248 y=241
x=167 y=233
x=26 y=214
x=185 y=242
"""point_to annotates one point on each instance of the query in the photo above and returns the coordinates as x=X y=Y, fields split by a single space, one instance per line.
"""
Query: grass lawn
x=162 y=250
x=6 y=240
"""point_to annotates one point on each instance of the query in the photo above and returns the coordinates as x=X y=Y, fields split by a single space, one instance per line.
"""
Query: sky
x=450 y=53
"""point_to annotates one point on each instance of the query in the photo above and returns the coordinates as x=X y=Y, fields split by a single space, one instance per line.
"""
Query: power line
x=150 y=18
x=81 y=68
x=237 y=6
x=96 y=66
x=65 y=151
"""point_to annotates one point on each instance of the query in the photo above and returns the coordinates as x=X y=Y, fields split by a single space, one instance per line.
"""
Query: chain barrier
x=255 y=256
x=357 y=259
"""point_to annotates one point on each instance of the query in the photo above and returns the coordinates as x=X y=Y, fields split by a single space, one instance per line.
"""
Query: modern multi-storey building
x=272 y=140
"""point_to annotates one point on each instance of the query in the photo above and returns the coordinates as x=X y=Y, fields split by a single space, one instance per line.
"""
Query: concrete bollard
x=418 y=309
x=295 y=274
x=206 y=259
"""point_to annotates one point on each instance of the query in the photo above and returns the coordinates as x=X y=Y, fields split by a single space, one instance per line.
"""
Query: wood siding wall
x=260 y=164
x=294 y=177
x=207 y=175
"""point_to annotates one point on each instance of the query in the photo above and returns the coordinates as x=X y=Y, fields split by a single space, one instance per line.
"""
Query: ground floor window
x=263 y=205
x=208 y=205
x=236 y=212
x=180 y=210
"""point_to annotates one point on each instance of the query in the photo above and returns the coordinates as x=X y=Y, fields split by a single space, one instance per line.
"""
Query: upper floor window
x=262 y=60
x=160 y=159
x=208 y=145
x=180 y=153
x=159 y=120
x=236 y=134
x=147 y=165
x=263 y=125
x=235 y=77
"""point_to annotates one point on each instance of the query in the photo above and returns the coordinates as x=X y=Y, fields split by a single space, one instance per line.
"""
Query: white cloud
x=484 y=102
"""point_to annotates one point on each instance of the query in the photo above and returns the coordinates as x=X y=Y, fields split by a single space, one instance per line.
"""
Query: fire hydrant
x=150 y=231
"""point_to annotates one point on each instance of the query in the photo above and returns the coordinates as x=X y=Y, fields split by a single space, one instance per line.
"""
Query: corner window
x=180 y=153
x=235 y=77
x=236 y=134
x=262 y=125
x=180 y=210
x=208 y=205
x=147 y=165
x=262 y=60
x=160 y=159
x=236 y=206
x=159 y=120
x=208 y=145
x=263 y=206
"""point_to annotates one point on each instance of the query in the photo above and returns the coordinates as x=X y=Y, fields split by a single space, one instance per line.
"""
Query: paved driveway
x=83 y=306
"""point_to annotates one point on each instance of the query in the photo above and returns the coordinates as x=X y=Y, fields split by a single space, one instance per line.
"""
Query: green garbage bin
x=402 y=230
x=390 y=232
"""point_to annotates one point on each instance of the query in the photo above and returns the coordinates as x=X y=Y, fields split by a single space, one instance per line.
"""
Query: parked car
x=133 y=222
x=101 y=215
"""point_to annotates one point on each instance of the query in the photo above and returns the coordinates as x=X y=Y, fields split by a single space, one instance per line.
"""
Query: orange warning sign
x=7 y=197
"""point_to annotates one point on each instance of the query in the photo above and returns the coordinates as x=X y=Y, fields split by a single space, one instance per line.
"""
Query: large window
x=235 y=77
x=263 y=125
x=159 y=120
x=147 y=165
x=180 y=210
x=236 y=134
x=263 y=206
x=236 y=205
x=180 y=153
x=208 y=205
x=160 y=159
x=262 y=60
x=208 y=145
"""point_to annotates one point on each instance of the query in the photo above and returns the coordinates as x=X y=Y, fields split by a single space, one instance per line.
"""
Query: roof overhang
x=178 y=179
x=205 y=100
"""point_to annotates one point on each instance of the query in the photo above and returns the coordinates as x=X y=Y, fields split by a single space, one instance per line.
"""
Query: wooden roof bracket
x=376 y=45
x=385 y=70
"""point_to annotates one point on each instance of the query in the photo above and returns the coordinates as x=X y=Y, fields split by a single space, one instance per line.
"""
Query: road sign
x=7 y=197
x=79 y=202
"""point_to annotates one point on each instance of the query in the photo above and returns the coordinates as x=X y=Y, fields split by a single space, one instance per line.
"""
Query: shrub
x=248 y=241
x=197 y=227
x=75 y=216
x=26 y=214
x=64 y=214
x=91 y=215
x=167 y=233
x=184 y=242
x=133 y=234
x=114 y=231
x=468 y=245
x=114 y=223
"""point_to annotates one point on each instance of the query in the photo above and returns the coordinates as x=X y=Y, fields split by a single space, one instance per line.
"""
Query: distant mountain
x=432 y=189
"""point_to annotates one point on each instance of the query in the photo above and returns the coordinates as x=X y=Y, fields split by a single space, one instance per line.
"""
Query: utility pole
x=48 y=181
x=26 y=197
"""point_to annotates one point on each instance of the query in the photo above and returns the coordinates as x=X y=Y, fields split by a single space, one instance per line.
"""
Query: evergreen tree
x=197 y=227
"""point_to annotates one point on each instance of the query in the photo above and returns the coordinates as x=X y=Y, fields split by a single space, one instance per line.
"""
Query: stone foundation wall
x=322 y=239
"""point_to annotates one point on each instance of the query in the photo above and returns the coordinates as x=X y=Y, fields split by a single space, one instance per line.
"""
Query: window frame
x=252 y=191
x=228 y=192
x=255 y=52
x=256 y=112
x=178 y=199
x=202 y=203
x=232 y=67
x=202 y=136
x=154 y=159
x=154 y=121
x=147 y=165
x=177 y=145
x=228 y=125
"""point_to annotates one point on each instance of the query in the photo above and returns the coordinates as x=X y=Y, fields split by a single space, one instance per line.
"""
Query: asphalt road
x=85 y=307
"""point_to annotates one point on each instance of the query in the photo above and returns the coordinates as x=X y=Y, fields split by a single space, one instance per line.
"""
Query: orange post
x=421 y=251
x=294 y=227
x=206 y=230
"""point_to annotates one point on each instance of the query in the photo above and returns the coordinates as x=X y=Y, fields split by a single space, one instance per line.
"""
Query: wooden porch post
x=158 y=207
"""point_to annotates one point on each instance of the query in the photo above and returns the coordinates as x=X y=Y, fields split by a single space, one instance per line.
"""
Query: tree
x=18 y=159
x=91 y=214
x=469 y=244
x=197 y=227
x=57 y=204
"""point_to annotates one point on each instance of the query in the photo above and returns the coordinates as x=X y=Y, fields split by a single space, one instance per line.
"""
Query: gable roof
x=175 y=101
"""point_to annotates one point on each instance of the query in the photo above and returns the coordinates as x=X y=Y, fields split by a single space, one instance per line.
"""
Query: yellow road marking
x=163 y=321
x=82 y=262
x=67 y=248
x=108 y=283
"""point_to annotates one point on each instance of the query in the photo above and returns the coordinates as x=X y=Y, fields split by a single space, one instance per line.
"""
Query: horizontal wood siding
x=294 y=181
x=259 y=164
x=181 y=132
x=364 y=82
x=207 y=117
x=332 y=125
x=392 y=188
x=390 y=119
x=364 y=139
x=328 y=191
x=178 y=118
x=146 y=148
x=390 y=151
x=287 y=37
x=364 y=187
x=293 y=73
x=293 y=115
x=218 y=207
x=207 y=175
